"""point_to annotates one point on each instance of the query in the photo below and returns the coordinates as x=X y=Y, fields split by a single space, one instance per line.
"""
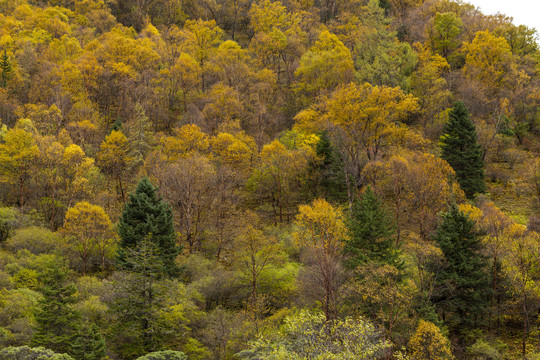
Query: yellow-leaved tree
x=428 y=343
x=18 y=153
x=520 y=265
x=88 y=229
x=362 y=120
x=187 y=140
x=113 y=159
x=280 y=174
x=320 y=231
x=324 y=66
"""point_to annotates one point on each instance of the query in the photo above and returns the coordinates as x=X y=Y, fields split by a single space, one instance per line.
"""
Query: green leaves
x=146 y=216
x=307 y=335
x=460 y=148
x=371 y=231
x=463 y=282
x=56 y=319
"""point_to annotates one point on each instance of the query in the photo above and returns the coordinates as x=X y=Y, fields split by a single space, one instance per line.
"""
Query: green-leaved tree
x=57 y=321
x=459 y=147
x=463 y=282
x=371 y=230
x=6 y=68
x=147 y=216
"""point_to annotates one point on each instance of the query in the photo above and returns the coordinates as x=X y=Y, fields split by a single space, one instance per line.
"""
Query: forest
x=263 y=179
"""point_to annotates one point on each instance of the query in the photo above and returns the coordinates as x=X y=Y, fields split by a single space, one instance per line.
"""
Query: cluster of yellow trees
x=261 y=123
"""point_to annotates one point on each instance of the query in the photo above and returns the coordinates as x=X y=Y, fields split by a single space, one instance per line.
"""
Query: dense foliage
x=228 y=179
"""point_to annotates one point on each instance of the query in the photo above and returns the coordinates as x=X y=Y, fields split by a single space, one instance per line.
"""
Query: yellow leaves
x=65 y=48
x=224 y=109
x=17 y=153
x=46 y=120
x=309 y=120
x=187 y=140
x=429 y=85
x=471 y=211
x=86 y=220
x=233 y=151
x=276 y=159
x=88 y=228
x=122 y=69
x=119 y=51
x=230 y=63
x=367 y=113
x=489 y=59
x=521 y=260
x=428 y=343
x=320 y=227
x=273 y=151
x=186 y=71
x=326 y=65
x=418 y=184
x=113 y=156
x=256 y=251
x=203 y=38
x=268 y=15
x=75 y=159
x=515 y=231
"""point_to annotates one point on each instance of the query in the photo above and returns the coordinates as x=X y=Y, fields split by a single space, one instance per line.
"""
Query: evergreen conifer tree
x=463 y=283
x=329 y=176
x=145 y=216
x=89 y=344
x=57 y=321
x=7 y=69
x=459 y=147
x=371 y=231
x=138 y=299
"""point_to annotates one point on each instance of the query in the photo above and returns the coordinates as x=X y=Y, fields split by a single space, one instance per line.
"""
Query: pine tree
x=463 y=283
x=328 y=174
x=89 y=344
x=6 y=67
x=138 y=299
x=57 y=321
x=371 y=231
x=459 y=147
x=146 y=215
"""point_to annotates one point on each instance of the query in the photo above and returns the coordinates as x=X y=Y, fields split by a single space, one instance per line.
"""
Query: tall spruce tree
x=57 y=321
x=6 y=68
x=328 y=174
x=138 y=300
x=89 y=344
x=463 y=283
x=459 y=147
x=146 y=216
x=371 y=231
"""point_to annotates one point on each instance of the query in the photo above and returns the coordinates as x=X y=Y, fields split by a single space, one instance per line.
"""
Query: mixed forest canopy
x=258 y=179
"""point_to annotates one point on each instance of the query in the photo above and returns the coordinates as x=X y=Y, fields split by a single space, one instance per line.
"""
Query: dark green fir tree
x=145 y=216
x=459 y=147
x=6 y=68
x=89 y=344
x=463 y=283
x=138 y=298
x=371 y=231
x=57 y=321
x=328 y=171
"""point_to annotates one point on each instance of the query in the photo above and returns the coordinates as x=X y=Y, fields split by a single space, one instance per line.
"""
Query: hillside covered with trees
x=259 y=179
